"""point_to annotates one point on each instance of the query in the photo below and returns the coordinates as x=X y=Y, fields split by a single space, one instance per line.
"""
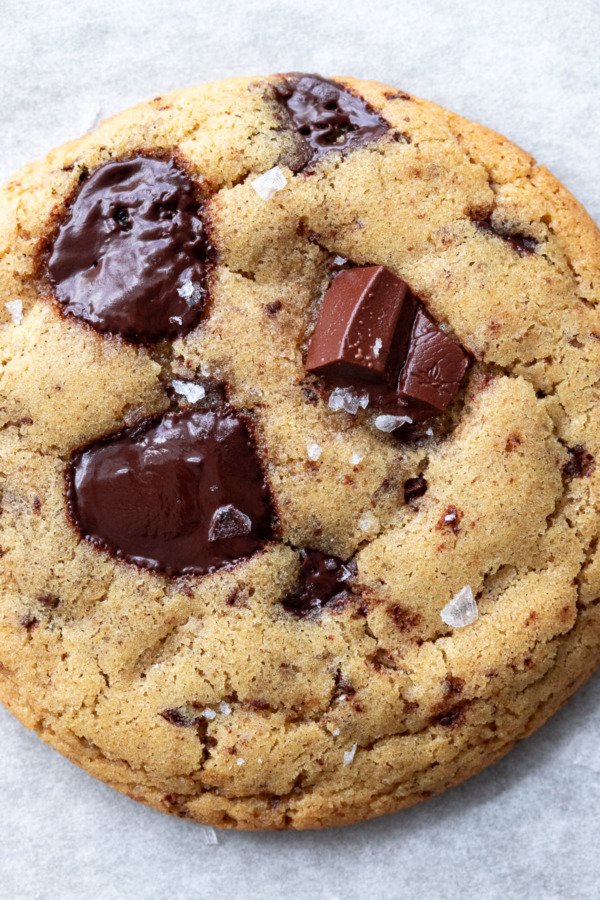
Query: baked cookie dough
x=300 y=405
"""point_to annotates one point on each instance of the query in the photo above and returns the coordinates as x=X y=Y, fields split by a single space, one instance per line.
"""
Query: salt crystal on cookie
x=15 y=308
x=267 y=185
x=462 y=609
x=313 y=451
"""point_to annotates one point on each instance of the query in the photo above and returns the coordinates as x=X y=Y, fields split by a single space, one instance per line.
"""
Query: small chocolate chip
x=453 y=685
x=397 y=95
x=452 y=719
x=178 y=717
x=273 y=308
x=29 y=622
x=319 y=583
x=451 y=519
x=404 y=619
x=581 y=464
x=414 y=488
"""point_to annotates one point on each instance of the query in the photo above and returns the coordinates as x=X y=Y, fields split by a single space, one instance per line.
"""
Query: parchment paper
x=529 y=827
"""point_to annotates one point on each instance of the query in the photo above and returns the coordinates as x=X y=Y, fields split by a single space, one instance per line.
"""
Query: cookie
x=300 y=420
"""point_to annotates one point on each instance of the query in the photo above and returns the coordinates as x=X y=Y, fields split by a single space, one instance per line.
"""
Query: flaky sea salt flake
x=192 y=392
x=208 y=713
x=224 y=708
x=267 y=185
x=209 y=835
x=377 y=347
x=241 y=761
x=368 y=522
x=346 y=399
x=390 y=423
x=462 y=609
x=15 y=308
x=313 y=451
x=349 y=755
x=228 y=522
x=356 y=458
x=190 y=292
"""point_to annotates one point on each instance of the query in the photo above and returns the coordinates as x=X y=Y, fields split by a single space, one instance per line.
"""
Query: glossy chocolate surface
x=364 y=327
x=183 y=493
x=372 y=335
x=327 y=116
x=434 y=367
x=130 y=256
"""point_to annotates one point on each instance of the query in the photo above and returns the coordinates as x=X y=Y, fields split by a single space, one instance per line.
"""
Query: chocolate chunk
x=372 y=335
x=327 y=116
x=130 y=256
x=520 y=243
x=364 y=327
x=181 y=493
x=581 y=463
x=320 y=580
x=178 y=717
x=435 y=365
x=414 y=488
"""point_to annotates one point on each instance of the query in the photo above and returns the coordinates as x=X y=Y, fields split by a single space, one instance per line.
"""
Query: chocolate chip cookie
x=300 y=418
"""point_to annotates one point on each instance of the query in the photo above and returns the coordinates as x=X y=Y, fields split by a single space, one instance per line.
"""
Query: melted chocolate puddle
x=130 y=256
x=181 y=493
x=327 y=116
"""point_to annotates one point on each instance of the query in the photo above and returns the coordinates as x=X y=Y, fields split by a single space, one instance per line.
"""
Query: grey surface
x=529 y=827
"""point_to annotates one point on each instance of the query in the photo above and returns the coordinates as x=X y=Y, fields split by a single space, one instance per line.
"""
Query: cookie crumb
x=462 y=609
x=15 y=308
x=313 y=451
x=267 y=185
x=349 y=755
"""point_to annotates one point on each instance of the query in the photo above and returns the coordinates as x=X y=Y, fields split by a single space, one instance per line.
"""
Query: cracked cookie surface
x=235 y=697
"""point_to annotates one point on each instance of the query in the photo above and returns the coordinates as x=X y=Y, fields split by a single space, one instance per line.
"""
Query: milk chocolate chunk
x=181 y=493
x=373 y=336
x=130 y=256
x=327 y=116
x=434 y=367
x=363 y=328
x=321 y=578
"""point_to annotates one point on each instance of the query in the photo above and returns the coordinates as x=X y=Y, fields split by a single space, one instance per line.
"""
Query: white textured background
x=529 y=827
